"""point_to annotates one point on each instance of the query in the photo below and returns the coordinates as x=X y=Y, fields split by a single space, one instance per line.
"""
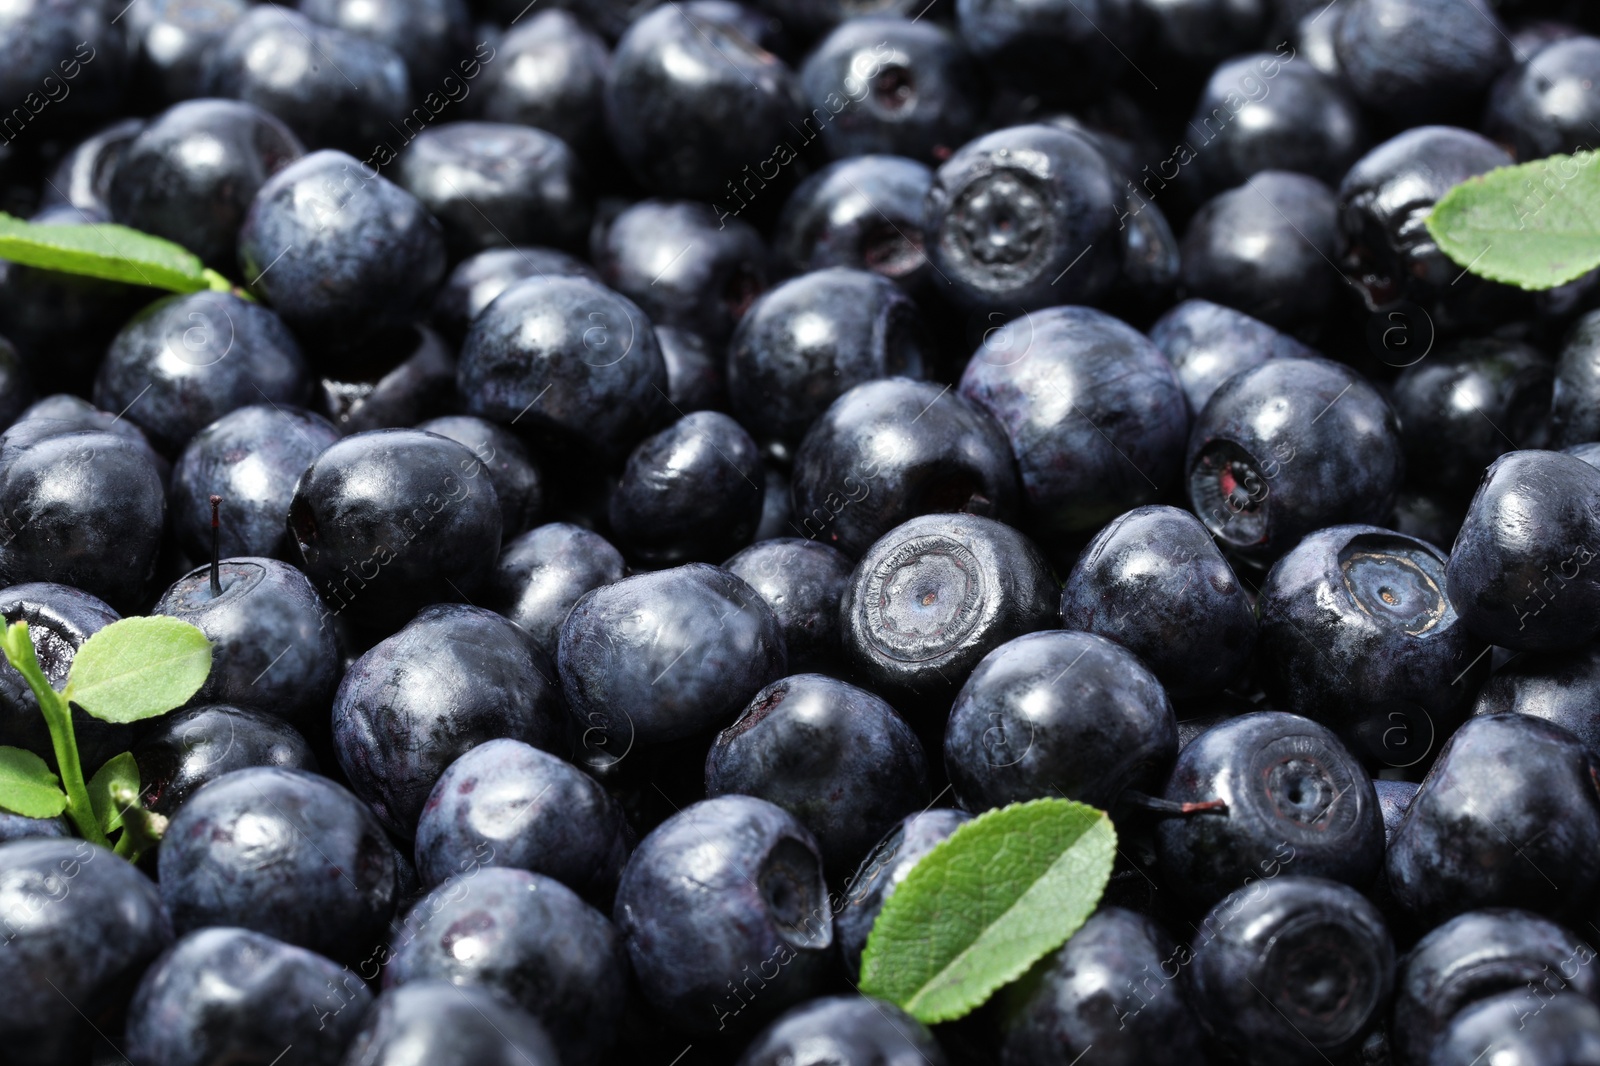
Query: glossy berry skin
x=284 y=63
x=1419 y=60
x=1154 y=582
x=82 y=509
x=935 y=595
x=478 y=279
x=185 y=361
x=686 y=264
x=910 y=89
x=60 y=40
x=273 y=648
x=863 y=212
x=1295 y=799
x=191 y=173
x=1523 y=1030
x=543 y=572
x=1057 y=714
x=890 y=450
x=1292 y=970
x=1521 y=573
x=1449 y=406
x=569 y=361
x=229 y=994
x=1575 y=395
x=251 y=457
x=59 y=414
x=1267 y=248
x=849 y=1031
x=835 y=756
x=283 y=852
x=1540 y=109
x=1476 y=956
x=445 y=1024
x=802 y=581
x=880 y=872
x=1383 y=202
x=168 y=41
x=1289 y=447
x=454 y=677
x=549 y=71
x=727 y=891
x=1509 y=797
x=696 y=372
x=1011 y=212
x=1290 y=118
x=1589 y=453
x=82 y=179
x=60 y=618
x=1207 y=344
x=492 y=184
x=691 y=493
x=1563 y=688
x=1094 y=413
x=1116 y=985
x=414 y=381
x=430 y=35
x=1394 y=799
x=80 y=925
x=339 y=251
x=542 y=949
x=389 y=521
x=1054 y=49
x=808 y=341
x=505 y=459
x=663 y=655
x=504 y=803
x=1358 y=634
x=690 y=100
x=186 y=749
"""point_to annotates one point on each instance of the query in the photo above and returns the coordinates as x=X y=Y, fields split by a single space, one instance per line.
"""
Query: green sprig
x=133 y=669
x=111 y=252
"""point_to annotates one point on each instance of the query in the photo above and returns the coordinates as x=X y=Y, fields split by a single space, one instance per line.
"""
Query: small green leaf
x=1001 y=892
x=27 y=786
x=1534 y=226
x=119 y=773
x=138 y=668
x=103 y=250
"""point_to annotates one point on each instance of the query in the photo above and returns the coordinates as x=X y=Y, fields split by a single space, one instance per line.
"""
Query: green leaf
x=119 y=773
x=138 y=668
x=104 y=250
x=27 y=786
x=1534 y=226
x=995 y=897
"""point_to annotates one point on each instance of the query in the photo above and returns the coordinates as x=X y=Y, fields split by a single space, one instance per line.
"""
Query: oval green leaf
x=103 y=250
x=1534 y=226
x=119 y=771
x=999 y=894
x=27 y=787
x=138 y=668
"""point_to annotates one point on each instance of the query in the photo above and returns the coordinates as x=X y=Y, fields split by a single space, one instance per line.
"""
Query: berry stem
x=216 y=546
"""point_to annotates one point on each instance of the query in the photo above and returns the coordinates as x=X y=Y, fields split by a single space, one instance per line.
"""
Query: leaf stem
x=18 y=647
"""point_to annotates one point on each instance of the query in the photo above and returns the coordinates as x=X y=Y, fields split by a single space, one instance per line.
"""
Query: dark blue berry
x=454 y=677
x=1058 y=715
x=281 y=852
